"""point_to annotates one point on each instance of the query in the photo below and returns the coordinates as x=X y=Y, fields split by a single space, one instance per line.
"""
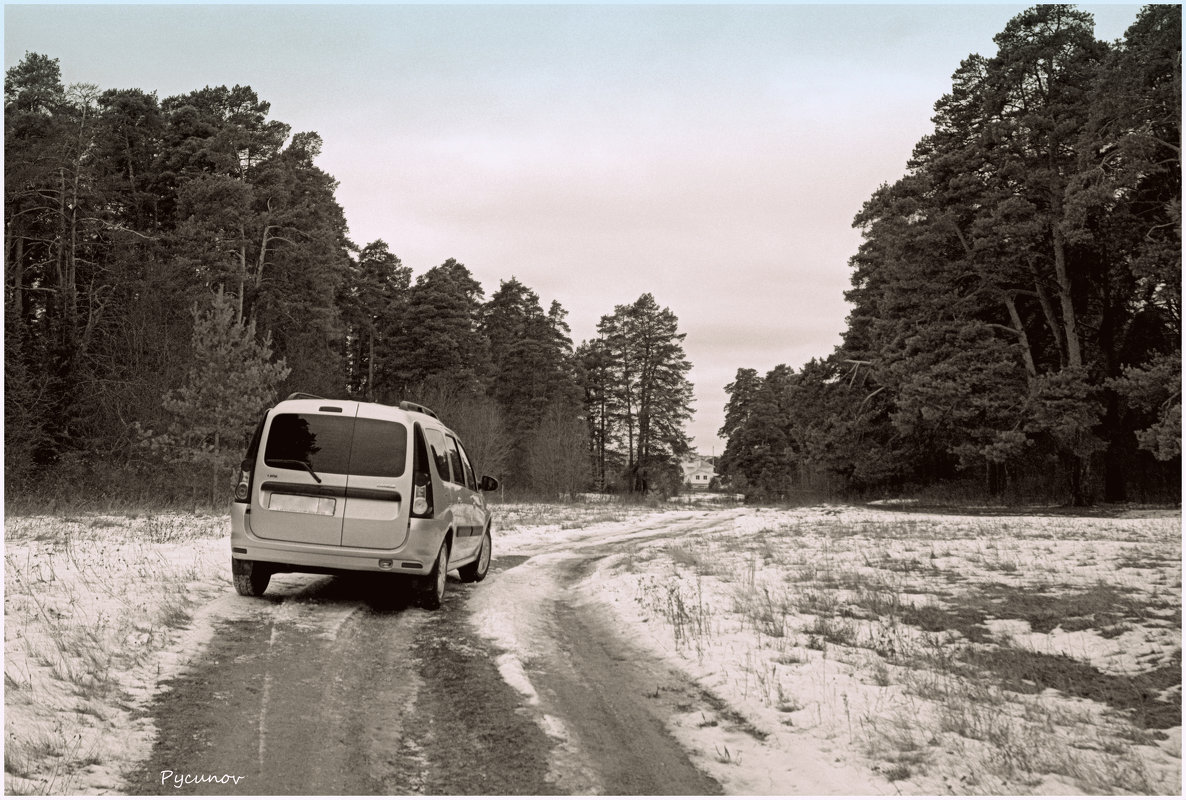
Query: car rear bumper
x=414 y=557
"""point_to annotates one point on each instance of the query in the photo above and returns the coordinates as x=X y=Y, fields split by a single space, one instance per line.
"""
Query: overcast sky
x=712 y=155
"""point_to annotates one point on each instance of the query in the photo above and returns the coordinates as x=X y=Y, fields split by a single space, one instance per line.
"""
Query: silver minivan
x=340 y=486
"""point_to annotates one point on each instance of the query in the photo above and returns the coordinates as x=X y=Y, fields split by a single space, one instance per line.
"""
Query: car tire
x=477 y=569
x=250 y=577
x=432 y=590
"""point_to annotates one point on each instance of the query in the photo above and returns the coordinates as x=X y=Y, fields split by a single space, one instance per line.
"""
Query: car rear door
x=304 y=461
x=449 y=495
x=477 y=501
x=469 y=500
x=379 y=489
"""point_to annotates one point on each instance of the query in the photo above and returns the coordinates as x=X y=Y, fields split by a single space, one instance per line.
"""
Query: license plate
x=302 y=504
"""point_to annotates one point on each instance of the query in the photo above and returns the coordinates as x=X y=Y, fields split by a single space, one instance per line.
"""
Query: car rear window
x=436 y=441
x=455 y=462
x=380 y=448
x=338 y=445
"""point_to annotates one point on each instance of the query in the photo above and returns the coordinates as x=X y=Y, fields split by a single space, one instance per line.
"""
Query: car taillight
x=243 y=484
x=421 y=495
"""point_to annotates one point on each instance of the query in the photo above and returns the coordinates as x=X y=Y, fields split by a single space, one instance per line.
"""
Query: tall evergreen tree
x=648 y=396
x=374 y=295
x=72 y=252
x=529 y=367
x=437 y=338
x=604 y=459
x=1016 y=295
x=120 y=212
x=232 y=380
x=1127 y=196
x=993 y=221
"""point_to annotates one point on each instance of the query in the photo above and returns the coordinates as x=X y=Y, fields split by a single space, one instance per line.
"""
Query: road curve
x=342 y=686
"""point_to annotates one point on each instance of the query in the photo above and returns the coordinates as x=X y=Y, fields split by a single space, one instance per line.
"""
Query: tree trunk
x=1115 y=477
x=601 y=421
x=370 y=393
x=996 y=478
x=60 y=250
x=1051 y=318
x=17 y=268
x=242 y=272
x=214 y=472
x=1074 y=466
x=1031 y=371
x=72 y=263
x=263 y=255
x=1066 y=301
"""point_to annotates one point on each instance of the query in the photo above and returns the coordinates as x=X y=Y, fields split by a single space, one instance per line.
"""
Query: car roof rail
x=304 y=396
x=409 y=406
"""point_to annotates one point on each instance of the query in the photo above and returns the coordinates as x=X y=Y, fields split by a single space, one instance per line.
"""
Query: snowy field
x=867 y=651
x=97 y=611
x=839 y=650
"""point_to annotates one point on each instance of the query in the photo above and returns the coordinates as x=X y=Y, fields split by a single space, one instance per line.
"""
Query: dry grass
x=960 y=655
x=509 y=516
x=967 y=655
x=682 y=606
x=90 y=604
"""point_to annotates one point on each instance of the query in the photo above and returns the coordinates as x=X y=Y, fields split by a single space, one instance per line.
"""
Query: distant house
x=698 y=472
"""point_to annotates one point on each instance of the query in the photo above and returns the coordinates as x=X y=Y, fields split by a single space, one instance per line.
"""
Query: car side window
x=470 y=480
x=436 y=442
x=455 y=461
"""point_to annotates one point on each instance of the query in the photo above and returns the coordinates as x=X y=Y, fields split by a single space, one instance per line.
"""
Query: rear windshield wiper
x=302 y=464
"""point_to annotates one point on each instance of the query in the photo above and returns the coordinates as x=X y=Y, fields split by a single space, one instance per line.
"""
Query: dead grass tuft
x=1141 y=696
x=965 y=655
x=89 y=602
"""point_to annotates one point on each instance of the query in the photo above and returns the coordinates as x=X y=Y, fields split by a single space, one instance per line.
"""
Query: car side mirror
x=488 y=484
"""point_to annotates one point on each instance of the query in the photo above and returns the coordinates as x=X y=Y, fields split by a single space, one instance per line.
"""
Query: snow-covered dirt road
x=558 y=617
x=613 y=649
x=340 y=686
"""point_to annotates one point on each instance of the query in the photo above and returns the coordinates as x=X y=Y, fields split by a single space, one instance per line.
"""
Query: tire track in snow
x=264 y=699
x=317 y=689
x=566 y=665
x=300 y=609
x=327 y=689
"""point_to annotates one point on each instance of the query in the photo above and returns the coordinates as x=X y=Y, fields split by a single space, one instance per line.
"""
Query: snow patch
x=767 y=610
x=511 y=670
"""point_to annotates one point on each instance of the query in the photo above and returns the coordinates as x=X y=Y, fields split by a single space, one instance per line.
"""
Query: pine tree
x=529 y=370
x=647 y=396
x=437 y=340
x=1029 y=254
x=1155 y=390
x=374 y=295
x=605 y=461
x=232 y=380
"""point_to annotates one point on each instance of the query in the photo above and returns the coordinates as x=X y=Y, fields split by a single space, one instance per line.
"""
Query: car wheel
x=250 y=577
x=477 y=569
x=433 y=591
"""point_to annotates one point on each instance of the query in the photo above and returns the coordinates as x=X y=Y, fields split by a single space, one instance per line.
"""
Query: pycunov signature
x=185 y=779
